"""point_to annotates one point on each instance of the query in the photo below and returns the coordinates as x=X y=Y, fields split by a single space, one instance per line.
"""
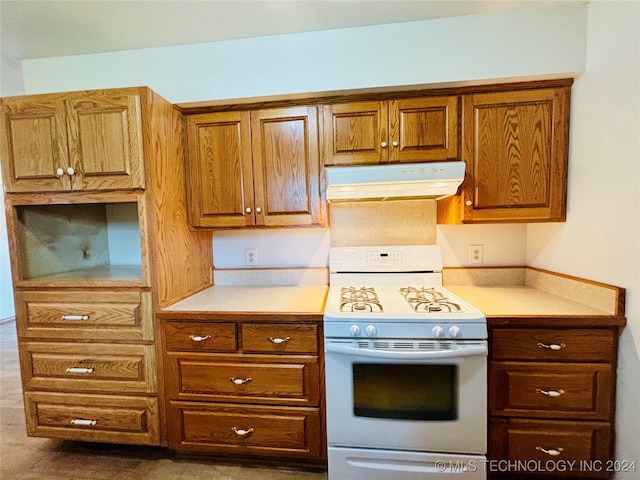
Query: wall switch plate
x=476 y=254
x=251 y=257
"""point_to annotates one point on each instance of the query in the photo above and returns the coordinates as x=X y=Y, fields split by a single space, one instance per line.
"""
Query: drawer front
x=294 y=432
x=88 y=367
x=551 y=390
x=93 y=418
x=201 y=336
x=555 y=345
x=280 y=338
x=536 y=442
x=86 y=315
x=247 y=379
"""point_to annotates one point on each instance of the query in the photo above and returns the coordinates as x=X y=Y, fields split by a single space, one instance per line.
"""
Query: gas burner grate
x=363 y=299
x=428 y=300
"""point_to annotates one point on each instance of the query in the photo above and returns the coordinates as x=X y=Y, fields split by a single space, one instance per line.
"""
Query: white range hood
x=432 y=180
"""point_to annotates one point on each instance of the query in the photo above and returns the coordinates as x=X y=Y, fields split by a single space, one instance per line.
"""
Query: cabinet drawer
x=88 y=367
x=292 y=380
x=85 y=315
x=294 y=432
x=280 y=338
x=201 y=336
x=555 y=345
x=93 y=418
x=536 y=441
x=551 y=390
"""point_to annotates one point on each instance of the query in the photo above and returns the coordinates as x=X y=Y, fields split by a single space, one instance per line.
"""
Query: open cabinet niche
x=81 y=241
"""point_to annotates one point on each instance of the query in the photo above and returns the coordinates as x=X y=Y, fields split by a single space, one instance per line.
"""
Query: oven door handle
x=471 y=350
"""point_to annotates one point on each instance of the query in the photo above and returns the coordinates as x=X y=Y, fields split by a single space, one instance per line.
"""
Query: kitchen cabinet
x=552 y=396
x=400 y=130
x=254 y=168
x=515 y=144
x=245 y=386
x=94 y=255
x=74 y=141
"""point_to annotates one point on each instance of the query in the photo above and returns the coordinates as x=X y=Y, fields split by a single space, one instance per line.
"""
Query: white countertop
x=255 y=298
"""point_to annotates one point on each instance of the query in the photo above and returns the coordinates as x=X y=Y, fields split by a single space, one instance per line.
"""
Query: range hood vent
x=432 y=180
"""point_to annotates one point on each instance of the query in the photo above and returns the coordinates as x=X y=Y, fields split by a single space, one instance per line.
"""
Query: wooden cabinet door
x=34 y=144
x=286 y=166
x=515 y=145
x=220 y=170
x=423 y=129
x=105 y=141
x=356 y=133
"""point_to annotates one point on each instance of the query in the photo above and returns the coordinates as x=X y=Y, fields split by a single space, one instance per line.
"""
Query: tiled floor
x=25 y=458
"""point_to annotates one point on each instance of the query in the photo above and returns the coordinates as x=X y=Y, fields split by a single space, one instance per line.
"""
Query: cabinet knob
x=394 y=143
x=383 y=144
x=241 y=432
x=71 y=171
x=59 y=172
x=258 y=210
x=554 y=452
x=199 y=338
x=84 y=422
x=468 y=203
x=75 y=318
x=240 y=381
x=248 y=210
x=550 y=393
x=278 y=341
x=552 y=346
x=80 y=370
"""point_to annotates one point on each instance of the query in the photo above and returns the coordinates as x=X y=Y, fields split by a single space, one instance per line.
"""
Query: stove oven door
x=430 y=397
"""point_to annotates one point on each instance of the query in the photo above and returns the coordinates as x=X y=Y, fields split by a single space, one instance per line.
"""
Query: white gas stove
x=403 y=356
x=395 y=292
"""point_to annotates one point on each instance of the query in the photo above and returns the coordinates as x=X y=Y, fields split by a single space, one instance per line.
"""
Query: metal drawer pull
x=75 y=318
x=198 y=338
x=239 y=381
x=278 y=341
x=79 y=370
x=553 y=346
x=554 y=452
x=550 y=393
x=242 y=433
x=80 y=421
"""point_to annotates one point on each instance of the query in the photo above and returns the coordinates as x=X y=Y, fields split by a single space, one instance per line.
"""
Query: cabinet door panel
x=34 y=144
x=424 y=129
x=105 y=142
x=516 y=149
x=220 y=169
x=354 y=133
x=286 y=166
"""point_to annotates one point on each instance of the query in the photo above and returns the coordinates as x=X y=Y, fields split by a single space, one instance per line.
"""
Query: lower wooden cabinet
x=246 y=388
x=246 y=430
x=93 y=418
x=551 y=402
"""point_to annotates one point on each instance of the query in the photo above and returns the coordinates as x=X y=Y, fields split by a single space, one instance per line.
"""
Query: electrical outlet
x=251 y=257
x=476 y=254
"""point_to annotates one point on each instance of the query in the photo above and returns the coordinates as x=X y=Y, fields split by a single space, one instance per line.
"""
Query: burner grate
x=428 y=300
x=363 y=299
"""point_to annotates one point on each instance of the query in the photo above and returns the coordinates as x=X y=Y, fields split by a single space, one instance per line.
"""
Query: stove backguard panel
x=378 y=223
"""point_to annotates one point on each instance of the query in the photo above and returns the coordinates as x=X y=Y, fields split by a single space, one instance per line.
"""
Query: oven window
x=405 y=391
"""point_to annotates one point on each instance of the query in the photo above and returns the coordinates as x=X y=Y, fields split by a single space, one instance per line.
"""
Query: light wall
x=601 y=238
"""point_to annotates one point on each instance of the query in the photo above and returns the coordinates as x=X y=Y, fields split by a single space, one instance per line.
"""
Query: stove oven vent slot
x=406 y=345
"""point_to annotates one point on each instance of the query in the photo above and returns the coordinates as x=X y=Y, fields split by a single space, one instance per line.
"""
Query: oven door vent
x=406 y=345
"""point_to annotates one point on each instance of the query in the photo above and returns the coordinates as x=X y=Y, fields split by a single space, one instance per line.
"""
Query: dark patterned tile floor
x=28 y=458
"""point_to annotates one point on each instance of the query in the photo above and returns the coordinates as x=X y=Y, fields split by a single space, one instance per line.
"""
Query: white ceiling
x=50 y=28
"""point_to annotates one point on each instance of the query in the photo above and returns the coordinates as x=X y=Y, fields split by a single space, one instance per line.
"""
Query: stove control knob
x=455 y=332
x=437 y=331
x=354 y=330
x=371 y=331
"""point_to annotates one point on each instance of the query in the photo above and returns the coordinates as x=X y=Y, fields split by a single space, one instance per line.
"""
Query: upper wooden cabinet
x=515 y=145
x=404 y=130
x=72 y=141
x=258 y=168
